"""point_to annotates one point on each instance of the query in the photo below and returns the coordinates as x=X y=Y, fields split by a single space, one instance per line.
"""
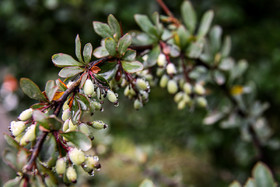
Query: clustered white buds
x=141 y=84
x=99 y=125
x=137 y=104
x=163 y=81
x=199 y=89
x=71 y=174
x=172 y=86
x=111 y=96
x=66 y=114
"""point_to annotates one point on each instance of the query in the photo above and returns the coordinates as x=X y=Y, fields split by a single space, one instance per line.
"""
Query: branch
x=168 y=12
x=58 y=105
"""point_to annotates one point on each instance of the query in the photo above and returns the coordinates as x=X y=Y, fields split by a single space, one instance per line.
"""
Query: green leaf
x=152 y=57
x=226 y=47
x=146 y=25
x=115 y=26
x=141 y=38
x=31 y=89
x=87 y=52
x=239 y=69
x=102 y=29
x=49 y=155
x=22 y=158
x=54 y=122
x=63 y=60
x=195 y=49
x=61 y=86
x=78 y=48
x=101 y=79
x=189 y=16
x=147 y=183
x=215 y=38
x=250 y=183
x=123 y=43
x=262 y=175
x=11 y=141
x=52 y=181
x=129 y=55
x=184 y=37
x=100 y=52
x=79 y=139
x=13 y=182
x=110 y=45
x=51 y=89
x=132 y=67
x=70 y=71
x=41 y=118
x=9 y=157
x=108 y=70
x=205 y=24
x=83 y=100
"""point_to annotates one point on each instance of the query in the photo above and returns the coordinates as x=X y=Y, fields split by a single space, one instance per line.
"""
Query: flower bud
x=60 y=166
x=199 y=89
x=76 y=156
x=71 y=174
x=144 y=95
x=172 y=87
x=71 y=127
x=66 y=114
x=201 y=101
x=88 y=87
x=90 y=162
x=187 y=87
x=126 y=91
x=96 y=105
x=186 y=98
x=65 y=125
x=141 y=84
x=99 y=125
x=159 y=71
x=181 y=105
x=111 y=96
x=29 y=136
x=178 y=97
x=163 y=81
x=137 y=104
x=17 y=127
x=171 y=69
x=26 y=114
x=65 y=106
x=161 y=60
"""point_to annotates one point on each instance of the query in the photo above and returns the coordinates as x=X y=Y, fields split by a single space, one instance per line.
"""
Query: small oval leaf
x=31 y=89
x=63 y=60
x=132 y=67
x=87 y=52
x=70 y=71
x=79 y=139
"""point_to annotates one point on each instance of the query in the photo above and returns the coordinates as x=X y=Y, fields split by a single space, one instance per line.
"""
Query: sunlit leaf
x=188 y=15
x=262 y=175
x=129 y=55
x=110 y=45
x=114 y=25
x=205 y=24
x=78 y=48
x=100 y=52
x=152 y=56
x=51 y=89
x=87 y=52
x=123 y=43
x=146 y=25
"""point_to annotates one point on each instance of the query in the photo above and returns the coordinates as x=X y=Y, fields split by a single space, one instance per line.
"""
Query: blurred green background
x=158 y=142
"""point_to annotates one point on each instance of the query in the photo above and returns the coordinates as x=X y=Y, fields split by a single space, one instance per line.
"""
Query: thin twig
x=168 y=12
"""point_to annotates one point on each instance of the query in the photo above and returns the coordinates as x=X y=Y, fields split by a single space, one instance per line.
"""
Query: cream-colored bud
x=201 y=101
x=71 y=174
x=26 y=114
x=90 y=162
x=199 y=89
x=66 y=114
x=161 y=60
x=178 y=97
x=137 y=104
x=181 y=105
x=99 y=125
x=71 y=127
x=171 y=69
x=111 y=96
x=65 y=106
x=88 y=87
x=186 y=98
x=187 y=87
x=163 y=81
x=172 y=86
x=65 y=125
x=29 y=136
x=145 y=57
x=76 y=156
x=17 y=127
x=60 y=166
x=97 y=105
x=141 y=84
